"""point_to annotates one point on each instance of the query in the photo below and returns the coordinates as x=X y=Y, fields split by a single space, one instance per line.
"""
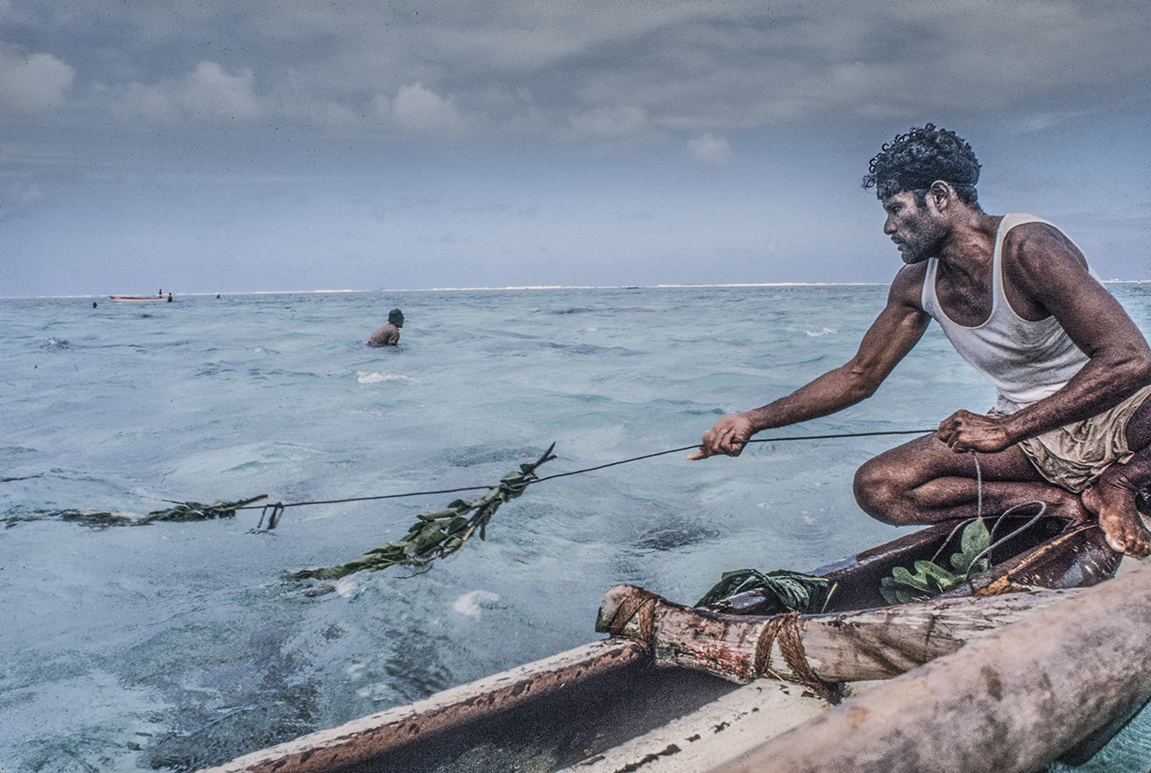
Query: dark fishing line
x=753 y=440
x=282 y=505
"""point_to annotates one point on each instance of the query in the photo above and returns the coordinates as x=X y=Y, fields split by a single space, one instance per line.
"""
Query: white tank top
x=1027 y=361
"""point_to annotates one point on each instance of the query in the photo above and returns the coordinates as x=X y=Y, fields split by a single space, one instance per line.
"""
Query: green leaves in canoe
x=929 y=579
x=800 y=592
x=438 y=533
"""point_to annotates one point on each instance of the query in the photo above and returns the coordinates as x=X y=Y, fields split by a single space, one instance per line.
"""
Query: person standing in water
x=388 y=334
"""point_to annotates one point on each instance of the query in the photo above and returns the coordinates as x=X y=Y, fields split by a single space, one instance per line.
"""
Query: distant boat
x=141 y=298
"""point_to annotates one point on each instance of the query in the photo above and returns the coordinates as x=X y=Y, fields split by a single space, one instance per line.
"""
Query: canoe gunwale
x=515 y=710
x=370 y=737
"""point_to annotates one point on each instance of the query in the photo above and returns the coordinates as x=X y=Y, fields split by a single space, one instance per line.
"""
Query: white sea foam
x=347 y=587
x=378 y=378
x=471 y=604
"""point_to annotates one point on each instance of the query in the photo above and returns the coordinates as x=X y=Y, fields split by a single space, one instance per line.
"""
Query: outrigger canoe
x=140 y=297
x=675 y=688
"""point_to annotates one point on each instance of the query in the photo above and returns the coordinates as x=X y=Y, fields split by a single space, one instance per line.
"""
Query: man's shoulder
x=1013 y=220
x=1041 y=265
x=1023 y=230
x=1036 y=243
x=907 y=287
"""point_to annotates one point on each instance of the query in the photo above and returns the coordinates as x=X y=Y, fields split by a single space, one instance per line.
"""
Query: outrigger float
x=1011 y=669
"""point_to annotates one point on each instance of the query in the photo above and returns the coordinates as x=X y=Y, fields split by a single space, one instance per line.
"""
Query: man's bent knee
x=877 y=494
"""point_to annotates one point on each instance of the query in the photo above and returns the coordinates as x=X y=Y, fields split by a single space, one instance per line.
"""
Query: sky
x=275 y=145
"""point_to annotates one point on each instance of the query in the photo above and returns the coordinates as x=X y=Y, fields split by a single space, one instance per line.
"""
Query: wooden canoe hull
x=548 y=714
x=1013 y=702
x=575 y=706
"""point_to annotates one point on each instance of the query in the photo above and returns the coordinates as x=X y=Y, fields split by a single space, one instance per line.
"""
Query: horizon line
x=512 y=287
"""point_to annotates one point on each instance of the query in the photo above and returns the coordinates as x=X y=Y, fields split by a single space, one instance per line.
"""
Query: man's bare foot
x=1115 y=507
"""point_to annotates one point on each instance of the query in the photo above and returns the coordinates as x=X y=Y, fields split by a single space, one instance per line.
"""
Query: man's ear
x=941 y=194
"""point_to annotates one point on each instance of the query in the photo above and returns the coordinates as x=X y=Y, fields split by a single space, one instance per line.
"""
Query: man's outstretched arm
x=893 y=334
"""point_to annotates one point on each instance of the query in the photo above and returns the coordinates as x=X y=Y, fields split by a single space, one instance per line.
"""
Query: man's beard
x=925 y=244
x=915 y=252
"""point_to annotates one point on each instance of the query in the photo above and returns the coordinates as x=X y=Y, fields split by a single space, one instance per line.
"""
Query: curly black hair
x=913 y=161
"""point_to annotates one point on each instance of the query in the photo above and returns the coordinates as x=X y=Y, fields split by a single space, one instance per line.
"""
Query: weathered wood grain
x=842 y=647
x=1012 y=701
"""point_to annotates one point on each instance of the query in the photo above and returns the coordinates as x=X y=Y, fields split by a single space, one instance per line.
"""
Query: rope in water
x=279 y=507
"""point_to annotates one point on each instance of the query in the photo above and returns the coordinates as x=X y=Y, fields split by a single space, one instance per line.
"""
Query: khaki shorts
x=1072 y=457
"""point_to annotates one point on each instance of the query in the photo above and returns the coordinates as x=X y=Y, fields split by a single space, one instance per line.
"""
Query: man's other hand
x=964 y=431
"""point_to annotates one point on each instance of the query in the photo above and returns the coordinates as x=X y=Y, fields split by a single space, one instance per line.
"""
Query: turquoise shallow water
x=175 y=646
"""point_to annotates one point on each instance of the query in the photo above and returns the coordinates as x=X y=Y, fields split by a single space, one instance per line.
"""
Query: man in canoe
x=1072 y=424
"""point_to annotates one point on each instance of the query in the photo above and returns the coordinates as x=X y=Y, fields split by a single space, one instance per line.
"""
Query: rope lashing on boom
x=785 y=630
x=639 y=604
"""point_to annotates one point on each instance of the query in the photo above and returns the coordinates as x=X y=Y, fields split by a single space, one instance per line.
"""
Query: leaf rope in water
x=195 y=511
x=185 y=511
x=438 y=533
